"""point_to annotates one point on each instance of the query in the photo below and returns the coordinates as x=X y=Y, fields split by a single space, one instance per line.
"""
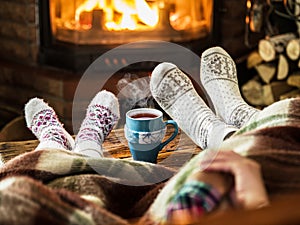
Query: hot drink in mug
x=145 y=131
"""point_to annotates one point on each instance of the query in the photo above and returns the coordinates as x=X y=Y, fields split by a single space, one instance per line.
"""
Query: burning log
x=98 y=21
x=164 y=17
x=85 y=19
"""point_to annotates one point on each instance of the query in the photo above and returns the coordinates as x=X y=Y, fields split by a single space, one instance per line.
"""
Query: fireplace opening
x=123 y=21
x=75 y=32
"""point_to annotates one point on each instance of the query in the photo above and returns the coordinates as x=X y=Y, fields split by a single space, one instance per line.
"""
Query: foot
x=174 y=92
x=42 y=120
x=219 y=79
x=101 y=116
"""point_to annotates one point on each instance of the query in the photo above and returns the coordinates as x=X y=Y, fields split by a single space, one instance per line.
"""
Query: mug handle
x=174 y=124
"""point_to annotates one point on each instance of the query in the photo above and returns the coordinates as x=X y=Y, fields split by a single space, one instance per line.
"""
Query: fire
x=88 y=6
x=118 y=14
x=146 y=14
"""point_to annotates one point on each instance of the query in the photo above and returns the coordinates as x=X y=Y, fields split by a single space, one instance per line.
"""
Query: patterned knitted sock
x=101 y=116
x=219 y=78
x=42 y=120
x=175 y=93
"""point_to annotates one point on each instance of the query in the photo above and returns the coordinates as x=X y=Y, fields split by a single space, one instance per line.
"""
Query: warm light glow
x=180 y=23
x=248 y=4
x=146 y=14
x=89 y=6
x=122 y=6
x=109 y=22
x=128 y=22
x=129 y=14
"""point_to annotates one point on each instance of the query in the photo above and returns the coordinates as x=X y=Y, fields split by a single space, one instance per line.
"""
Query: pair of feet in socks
x=101 y=116
x=173 y=91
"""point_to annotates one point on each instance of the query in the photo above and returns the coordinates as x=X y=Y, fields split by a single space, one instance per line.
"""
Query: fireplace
x=75 y=32
x=36 y=59
x=122 y=21
x=45 y=47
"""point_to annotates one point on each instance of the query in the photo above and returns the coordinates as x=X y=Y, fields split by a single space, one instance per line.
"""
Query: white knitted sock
x=101 y=116
x=42 y=120
x=219 y=79
x=175 y=93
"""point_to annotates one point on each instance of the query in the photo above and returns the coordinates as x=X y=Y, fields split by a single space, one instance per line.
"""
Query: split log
x=253 y=60
x=292 y=94
x=266 y=71
x=278 y=74
x=297 y=13
x=294 y=80
x=282 y=67
x=269 y=47
x=273 y=91
x=293 y=49
x=253 y=92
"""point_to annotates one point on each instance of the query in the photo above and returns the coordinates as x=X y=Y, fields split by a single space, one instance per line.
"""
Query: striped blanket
x=62 y=187
x=272 y=138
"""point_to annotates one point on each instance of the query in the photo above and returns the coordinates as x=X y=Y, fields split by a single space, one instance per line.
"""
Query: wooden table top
x=173 y=155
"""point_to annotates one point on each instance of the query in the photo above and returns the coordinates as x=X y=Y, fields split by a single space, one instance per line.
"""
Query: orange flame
x=89 y=6
x=122 y=14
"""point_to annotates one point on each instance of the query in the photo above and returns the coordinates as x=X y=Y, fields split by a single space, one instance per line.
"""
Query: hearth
x=36 y=61
x=75 y=32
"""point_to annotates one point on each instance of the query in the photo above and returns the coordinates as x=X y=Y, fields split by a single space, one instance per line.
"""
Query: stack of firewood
x=276 y=63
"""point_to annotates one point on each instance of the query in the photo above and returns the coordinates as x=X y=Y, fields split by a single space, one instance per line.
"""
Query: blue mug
x=145 y=131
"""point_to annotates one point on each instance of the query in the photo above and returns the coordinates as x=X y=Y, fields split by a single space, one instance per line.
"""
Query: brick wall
x=19 y=83
x=19 y=36
x=21 y=76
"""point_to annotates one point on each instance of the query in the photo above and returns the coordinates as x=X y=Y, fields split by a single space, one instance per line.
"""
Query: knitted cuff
x=195 y=196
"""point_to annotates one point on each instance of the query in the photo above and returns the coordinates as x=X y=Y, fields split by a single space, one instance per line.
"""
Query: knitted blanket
x=272 y=138
x=61 y=187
